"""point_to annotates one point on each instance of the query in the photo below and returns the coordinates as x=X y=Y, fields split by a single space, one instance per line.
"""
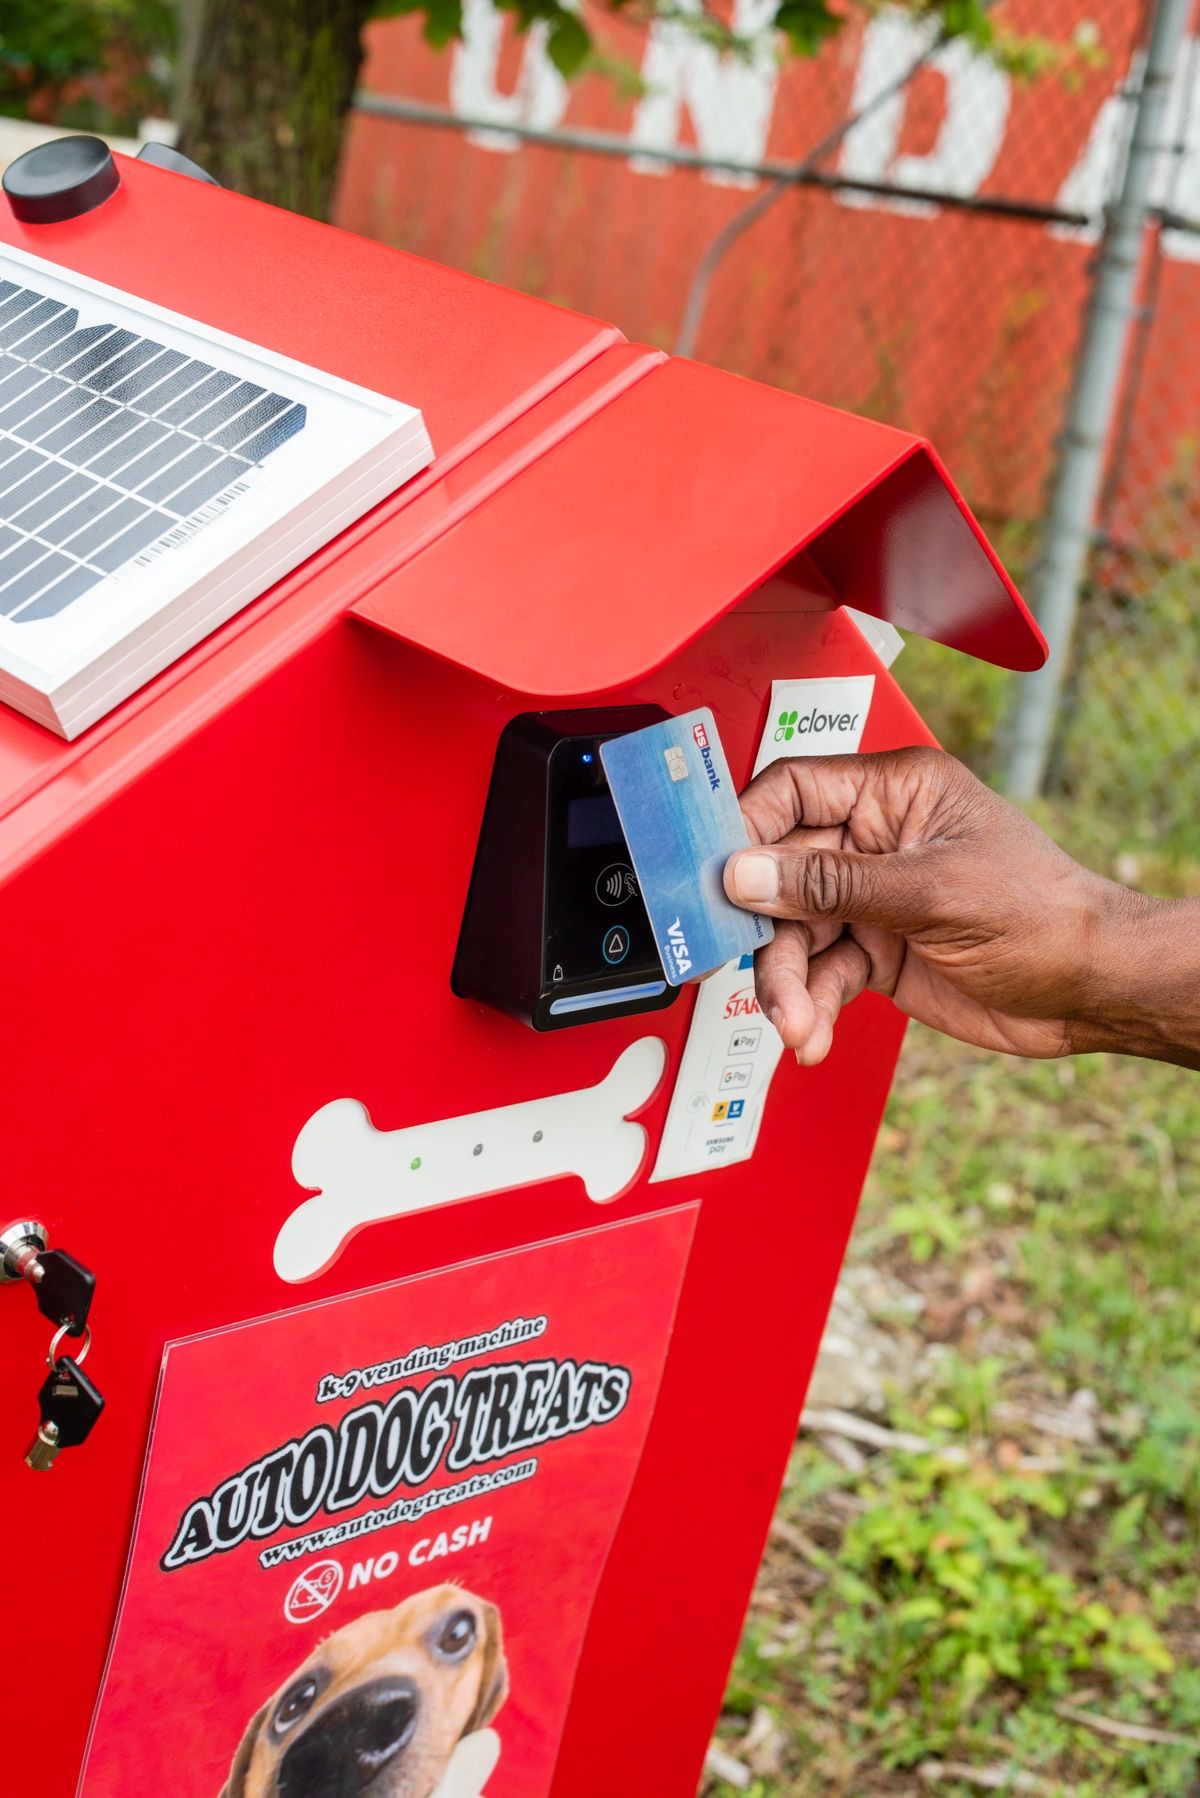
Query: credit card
x=680 y=815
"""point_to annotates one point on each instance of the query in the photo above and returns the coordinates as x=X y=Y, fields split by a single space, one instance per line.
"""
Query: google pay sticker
x=721 y=1089
x=681 y=820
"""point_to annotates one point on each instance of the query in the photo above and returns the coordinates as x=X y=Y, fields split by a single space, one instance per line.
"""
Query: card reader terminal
x=555 y=932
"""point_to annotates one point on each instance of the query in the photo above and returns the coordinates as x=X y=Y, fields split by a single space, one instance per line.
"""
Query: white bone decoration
x=360 y=1175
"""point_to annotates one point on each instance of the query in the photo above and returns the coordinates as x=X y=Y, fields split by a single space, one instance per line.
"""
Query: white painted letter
x=1093 y=183
x=978 y=96
x=730 y=100
x=540 y=97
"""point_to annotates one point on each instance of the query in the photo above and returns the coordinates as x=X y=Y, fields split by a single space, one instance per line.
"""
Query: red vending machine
x=408 y=1308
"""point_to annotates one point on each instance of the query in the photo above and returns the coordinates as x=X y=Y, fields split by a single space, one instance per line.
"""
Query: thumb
x=897 y=891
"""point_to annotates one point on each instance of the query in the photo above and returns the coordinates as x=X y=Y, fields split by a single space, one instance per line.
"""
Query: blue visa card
x=680 y=815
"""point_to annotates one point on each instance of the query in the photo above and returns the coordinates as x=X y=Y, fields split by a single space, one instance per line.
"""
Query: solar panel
x=156 y=475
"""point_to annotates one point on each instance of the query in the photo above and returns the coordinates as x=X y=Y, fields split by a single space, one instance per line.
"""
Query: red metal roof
x=670 y=505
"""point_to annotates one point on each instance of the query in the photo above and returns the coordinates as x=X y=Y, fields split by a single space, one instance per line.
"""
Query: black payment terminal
x=555 y=932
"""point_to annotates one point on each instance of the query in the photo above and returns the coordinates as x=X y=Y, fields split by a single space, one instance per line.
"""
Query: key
x=64 y=1291
x=69 y=1405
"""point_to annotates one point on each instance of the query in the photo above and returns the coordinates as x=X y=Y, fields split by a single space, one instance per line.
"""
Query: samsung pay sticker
x=816 y=717
x=731 y=1053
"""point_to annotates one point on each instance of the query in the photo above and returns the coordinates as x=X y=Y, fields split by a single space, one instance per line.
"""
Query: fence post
x=1092 y=406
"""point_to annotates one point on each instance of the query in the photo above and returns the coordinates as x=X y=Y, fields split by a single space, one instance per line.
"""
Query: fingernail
x=756 y=877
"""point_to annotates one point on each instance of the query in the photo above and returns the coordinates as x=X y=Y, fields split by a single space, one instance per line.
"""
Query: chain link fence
x=900 y=228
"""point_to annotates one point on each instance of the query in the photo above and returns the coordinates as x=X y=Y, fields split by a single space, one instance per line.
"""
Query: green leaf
x=568 y=44
x=443 y=22
x=807 y=24
x=920 y=1610
x=976 y=1671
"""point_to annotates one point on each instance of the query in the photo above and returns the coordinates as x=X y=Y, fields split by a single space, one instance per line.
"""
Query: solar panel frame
x=141 y=452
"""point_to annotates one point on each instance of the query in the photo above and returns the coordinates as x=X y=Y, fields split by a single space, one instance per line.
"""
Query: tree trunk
x=266 y=88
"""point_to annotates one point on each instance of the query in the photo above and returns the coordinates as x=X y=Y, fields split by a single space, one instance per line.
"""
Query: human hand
x=903 y=874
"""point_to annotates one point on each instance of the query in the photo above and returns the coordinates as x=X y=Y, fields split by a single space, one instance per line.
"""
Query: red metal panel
x=673 y=503
x=265 y=921
x=911 y=552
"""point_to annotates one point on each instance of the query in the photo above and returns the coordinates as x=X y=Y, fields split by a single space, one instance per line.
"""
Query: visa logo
x=677 y=944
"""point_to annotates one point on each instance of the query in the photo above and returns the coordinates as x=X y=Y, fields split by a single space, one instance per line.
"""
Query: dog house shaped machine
x=235 y=898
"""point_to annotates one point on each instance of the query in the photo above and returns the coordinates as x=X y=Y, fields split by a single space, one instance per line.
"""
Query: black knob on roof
x=60 y=180
x=164 y=156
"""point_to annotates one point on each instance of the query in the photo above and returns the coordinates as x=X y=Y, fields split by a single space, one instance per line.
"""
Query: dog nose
x=350 y=1742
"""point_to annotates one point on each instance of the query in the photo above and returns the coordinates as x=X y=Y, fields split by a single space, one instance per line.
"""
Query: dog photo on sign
x=393 y=1705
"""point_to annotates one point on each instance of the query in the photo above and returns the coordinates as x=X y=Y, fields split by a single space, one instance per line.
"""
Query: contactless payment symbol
x=617 y=884
x=313 y=1591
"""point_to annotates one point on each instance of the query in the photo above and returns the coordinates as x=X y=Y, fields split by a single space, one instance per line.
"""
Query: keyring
x=81 y=1357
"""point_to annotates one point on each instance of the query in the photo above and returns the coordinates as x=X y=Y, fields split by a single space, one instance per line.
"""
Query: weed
x=1044 y=1552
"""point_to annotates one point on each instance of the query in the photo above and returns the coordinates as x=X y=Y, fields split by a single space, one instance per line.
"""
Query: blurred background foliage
x=262 y=88
x=88 y=65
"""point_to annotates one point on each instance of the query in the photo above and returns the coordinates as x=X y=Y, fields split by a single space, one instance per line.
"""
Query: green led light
x=415 y=1163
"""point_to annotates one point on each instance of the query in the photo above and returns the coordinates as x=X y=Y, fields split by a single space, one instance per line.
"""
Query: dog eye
x=455 y=1636
x=296 y=1702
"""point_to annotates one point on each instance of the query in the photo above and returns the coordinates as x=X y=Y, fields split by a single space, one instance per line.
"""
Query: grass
x=1032 y=1230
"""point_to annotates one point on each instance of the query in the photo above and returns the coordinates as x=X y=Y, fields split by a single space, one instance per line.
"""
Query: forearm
x=1145 y=980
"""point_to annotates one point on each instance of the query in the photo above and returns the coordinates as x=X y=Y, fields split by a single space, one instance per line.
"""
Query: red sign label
x=372 y=1529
